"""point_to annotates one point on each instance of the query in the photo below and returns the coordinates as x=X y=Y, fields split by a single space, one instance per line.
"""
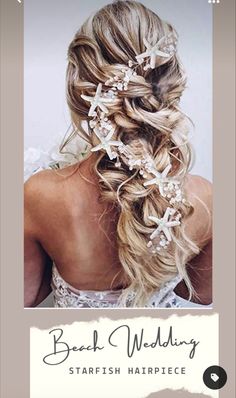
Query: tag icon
x=214 y=377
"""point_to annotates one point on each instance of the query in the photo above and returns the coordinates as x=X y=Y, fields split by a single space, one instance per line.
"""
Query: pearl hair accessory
x=119 y=84
x=104 y=129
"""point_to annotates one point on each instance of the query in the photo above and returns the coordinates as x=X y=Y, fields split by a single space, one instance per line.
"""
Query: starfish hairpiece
x=152 y=52
x=97 y=101
x=164 y=224
x=106 y=144
x=102 y=125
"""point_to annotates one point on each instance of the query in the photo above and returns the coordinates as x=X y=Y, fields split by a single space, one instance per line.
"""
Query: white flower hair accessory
x=169 y=187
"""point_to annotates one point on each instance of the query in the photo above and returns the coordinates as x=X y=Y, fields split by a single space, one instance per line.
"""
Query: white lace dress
x=65 y=295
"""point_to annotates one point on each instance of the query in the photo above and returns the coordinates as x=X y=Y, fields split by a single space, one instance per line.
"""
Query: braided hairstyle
x=148 y=120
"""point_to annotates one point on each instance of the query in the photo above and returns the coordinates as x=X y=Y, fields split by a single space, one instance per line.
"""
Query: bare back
x=77 y=231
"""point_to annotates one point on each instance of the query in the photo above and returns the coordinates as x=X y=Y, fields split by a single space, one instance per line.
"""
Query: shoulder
x=50 y=195
x=45 y=193
x=37 y=194
x=39 y=187
x=199 y=188
x=43 y=184
x=199 y=194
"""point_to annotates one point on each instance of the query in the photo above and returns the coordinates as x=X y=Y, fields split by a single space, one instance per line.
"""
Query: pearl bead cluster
x=102 y=124
x=169 y=44
x=144 y=164
x=173 y=193
x=120 y=83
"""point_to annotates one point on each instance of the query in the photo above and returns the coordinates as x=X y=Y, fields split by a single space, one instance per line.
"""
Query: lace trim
x=67 y=296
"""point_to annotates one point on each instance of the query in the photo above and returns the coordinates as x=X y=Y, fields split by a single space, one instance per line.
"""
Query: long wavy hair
x=148 y=119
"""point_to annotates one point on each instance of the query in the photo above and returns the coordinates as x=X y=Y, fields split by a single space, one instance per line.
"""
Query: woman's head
x=106 y=42
x=145 y=117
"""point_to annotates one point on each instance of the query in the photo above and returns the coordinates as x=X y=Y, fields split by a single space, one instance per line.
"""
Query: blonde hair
x=148 y=119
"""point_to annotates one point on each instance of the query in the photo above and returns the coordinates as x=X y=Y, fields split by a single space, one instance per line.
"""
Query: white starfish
x=97 y=101
x=152 y=52
x=106 y=143
x=164 y=224
x=160 y=179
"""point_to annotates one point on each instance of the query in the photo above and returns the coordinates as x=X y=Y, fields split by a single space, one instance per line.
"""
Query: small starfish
x=152 y=52
x=164 y=224
x=160 y=179
x=97 y=101
x=106 y=143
